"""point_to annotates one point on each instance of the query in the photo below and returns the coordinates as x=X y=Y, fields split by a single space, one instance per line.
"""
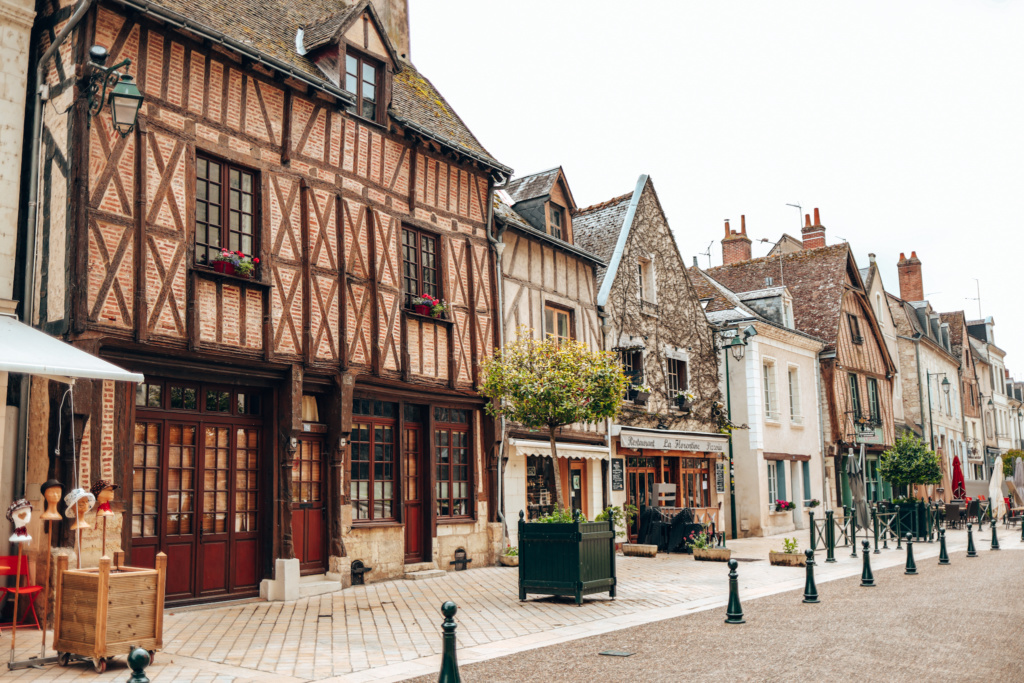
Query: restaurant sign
x=867 y=434
x=638 y=441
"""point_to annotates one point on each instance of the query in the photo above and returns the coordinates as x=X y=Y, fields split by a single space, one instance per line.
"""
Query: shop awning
x=27 y=350
x=565 y=450
x=671 y=440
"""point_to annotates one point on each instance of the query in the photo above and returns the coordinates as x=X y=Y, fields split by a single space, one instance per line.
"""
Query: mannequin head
x=19 y=514
x=103 y=490
x=79 y=502
x=52 y=492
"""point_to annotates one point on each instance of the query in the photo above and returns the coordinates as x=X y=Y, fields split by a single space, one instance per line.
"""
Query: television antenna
x=977 y=286
x=799 y=214
x=708 y=252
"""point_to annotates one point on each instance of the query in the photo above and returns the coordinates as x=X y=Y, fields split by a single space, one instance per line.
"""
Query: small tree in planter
x=544 y=384
x=907 y=463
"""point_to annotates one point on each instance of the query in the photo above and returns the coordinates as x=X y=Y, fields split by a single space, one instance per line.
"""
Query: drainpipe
x=499 y=247
x=31 y=228
x=821 y=428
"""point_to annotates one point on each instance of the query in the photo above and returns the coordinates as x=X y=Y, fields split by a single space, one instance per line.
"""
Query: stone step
x=426 y=574
x=317 y=584
x=419 y=566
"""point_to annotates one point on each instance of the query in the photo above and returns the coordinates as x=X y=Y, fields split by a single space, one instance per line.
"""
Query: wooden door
x=641 y=475
x=309 y=514
x=578 y=485
x=414 y=484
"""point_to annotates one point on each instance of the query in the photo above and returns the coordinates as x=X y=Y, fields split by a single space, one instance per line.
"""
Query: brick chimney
x=911 y=284
x=736 y=245
x=813 y=235
x=395 y=16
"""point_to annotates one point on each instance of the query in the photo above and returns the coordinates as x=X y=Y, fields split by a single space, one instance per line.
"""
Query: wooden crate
x=105 y=611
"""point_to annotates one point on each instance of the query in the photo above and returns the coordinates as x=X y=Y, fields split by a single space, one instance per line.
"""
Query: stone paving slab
x=391 y=630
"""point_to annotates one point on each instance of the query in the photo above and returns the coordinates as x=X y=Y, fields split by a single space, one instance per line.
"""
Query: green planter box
x=915 y=518
x=574 y=558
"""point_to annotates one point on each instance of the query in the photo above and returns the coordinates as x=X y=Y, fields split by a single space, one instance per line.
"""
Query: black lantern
x=124 y=96
x=945 y=385
x=125 y=101
x=738 y=347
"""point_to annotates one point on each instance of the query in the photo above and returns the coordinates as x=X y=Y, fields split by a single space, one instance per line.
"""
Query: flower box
x=639 y=550
x=683 y=404
x=568 y=558
x=225 y=267
x=787 y=559
x=421 y=309
x=641 y=397
x=712 y=554
x=509 y=560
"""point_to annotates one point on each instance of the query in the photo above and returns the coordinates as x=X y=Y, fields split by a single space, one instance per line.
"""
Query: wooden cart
x=106 y=611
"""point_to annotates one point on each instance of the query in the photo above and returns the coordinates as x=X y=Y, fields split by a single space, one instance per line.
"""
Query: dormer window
x=361 y=79
x=556 y=221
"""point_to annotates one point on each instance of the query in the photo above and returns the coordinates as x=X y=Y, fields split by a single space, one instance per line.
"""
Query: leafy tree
x=910 y=462
x=1010 y=462
x=547 y=384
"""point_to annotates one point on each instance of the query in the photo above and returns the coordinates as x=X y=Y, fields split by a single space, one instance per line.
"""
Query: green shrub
x=789 y=546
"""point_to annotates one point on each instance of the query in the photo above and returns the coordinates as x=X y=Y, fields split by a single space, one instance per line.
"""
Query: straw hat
x=71 y=501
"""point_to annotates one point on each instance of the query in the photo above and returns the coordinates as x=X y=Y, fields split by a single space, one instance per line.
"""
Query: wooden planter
x=712 y=554
x=571 y=558
x=108 y=610
x=787 y=559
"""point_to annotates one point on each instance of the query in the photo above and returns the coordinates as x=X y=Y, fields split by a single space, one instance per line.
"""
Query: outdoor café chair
x=952 y=515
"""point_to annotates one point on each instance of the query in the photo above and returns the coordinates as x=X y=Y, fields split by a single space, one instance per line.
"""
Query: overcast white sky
x=900 y=120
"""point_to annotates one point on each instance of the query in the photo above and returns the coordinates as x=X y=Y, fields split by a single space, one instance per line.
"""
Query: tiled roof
x=706 y=289
x=596 y=229
x=322 y=31
x=815 y=278
x=507 y=215
x=269 y=27
x=530 y=186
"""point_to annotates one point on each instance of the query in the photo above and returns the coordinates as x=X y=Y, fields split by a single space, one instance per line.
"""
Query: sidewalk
x=391 y=630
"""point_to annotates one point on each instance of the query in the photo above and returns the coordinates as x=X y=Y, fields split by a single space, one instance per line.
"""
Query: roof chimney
x=813 y=235
x=911 y=284
x=736 y=245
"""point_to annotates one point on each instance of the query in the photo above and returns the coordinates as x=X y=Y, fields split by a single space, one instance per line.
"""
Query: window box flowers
x=235 y=263
x=813 y=503
x=428 y=305
x=639 y=393
x=784 y=505
x=684 y=400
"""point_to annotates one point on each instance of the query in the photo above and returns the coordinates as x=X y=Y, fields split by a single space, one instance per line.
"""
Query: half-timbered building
x=548 y=290
x=973 y=460
x=830 y=303
x=664 y=452
x=306 y=417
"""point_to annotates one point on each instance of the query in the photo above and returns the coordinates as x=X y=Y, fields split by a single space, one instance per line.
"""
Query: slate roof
x=596 y=229
x=531 y=186
x=815 y=278
x=269 y=28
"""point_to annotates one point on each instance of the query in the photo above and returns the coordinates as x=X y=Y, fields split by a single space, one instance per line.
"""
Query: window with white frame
x=771 y=400
x=795 y=412
x=773 y=484
x=787 y=312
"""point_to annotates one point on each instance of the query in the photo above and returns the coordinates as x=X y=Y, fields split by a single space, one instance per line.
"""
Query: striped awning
x=565 y=450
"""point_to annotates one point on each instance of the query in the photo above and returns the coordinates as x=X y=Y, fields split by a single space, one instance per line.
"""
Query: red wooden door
x=309 y=527
x=413 y=485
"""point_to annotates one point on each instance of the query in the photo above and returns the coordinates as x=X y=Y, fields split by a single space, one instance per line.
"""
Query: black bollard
x=814 y=543
x=449 y=665
x=899 y=537
x=911 y=567
x=867 y=578
x=874 y=523
x=995 y=540
x=830 y=536
x=734 y=612
x=852 y=533
x=1022 y=531
x=971 y=552
x=810 y=588
x=138 y=660
x=943 y=556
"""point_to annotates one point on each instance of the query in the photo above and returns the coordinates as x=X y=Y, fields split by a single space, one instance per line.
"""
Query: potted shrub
x=704 y=549
x=564 y=554
x=510 y=558
x=790 y=555
x=439 y=309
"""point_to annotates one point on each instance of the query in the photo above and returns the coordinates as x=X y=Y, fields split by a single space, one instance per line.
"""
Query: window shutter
x=780 y=469
x=807 y=479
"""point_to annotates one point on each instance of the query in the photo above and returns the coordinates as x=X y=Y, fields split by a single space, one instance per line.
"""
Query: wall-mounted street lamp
x=124 y=96
x=737 y=347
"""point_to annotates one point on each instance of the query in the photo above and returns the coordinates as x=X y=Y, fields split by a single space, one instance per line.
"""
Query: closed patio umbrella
x=1018 y=475
x=959 y=489
x=858 y=490
x=995 y=488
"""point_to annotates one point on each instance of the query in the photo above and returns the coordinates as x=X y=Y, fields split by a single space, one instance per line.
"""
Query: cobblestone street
x=391 y=630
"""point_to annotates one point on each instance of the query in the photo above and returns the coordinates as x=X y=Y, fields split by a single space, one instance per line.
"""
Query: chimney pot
x=913 y=254
x=911 y=281
x=807 y=220
x=903 y=256
x=817 y=218
x=727 y=231
x=743 y=225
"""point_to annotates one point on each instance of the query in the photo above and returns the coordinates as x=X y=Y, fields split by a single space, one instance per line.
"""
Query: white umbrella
x=995 y=488
x=1018 y=475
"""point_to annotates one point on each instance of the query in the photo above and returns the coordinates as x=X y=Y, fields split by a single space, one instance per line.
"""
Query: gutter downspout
x=821 y=429
x=499 y=247
x=31 y=228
